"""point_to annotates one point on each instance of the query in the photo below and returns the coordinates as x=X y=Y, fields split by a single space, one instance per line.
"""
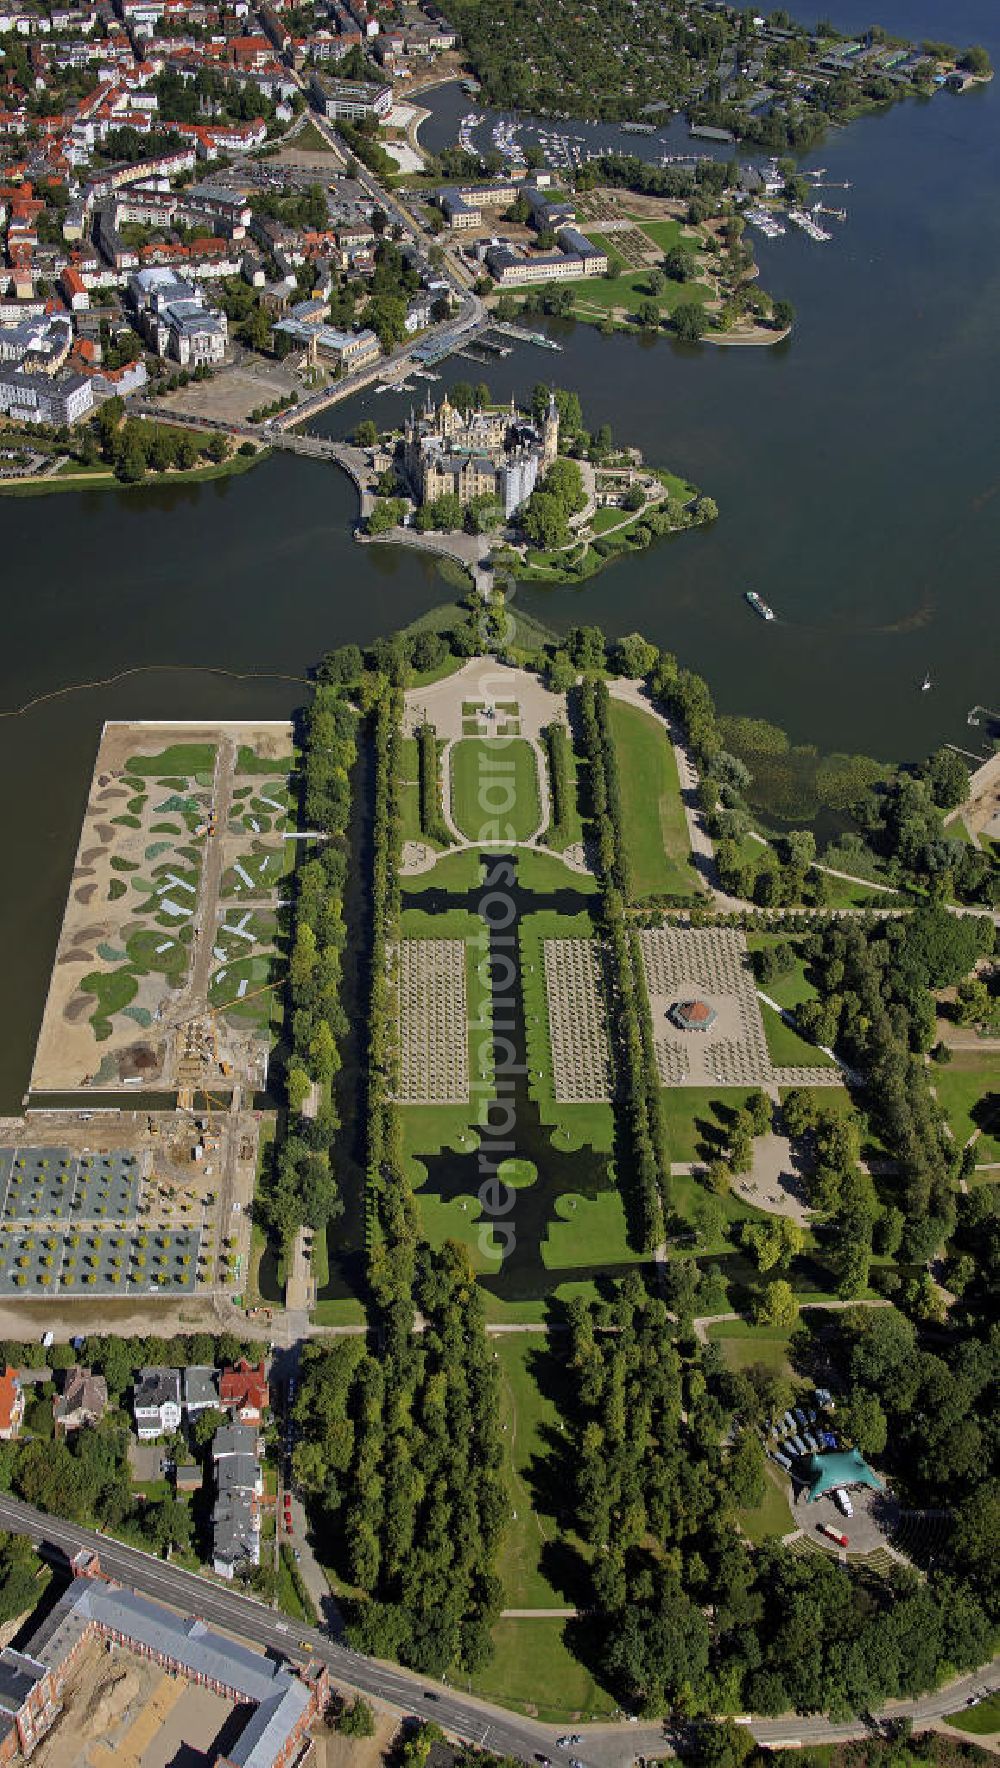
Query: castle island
x=527 y=490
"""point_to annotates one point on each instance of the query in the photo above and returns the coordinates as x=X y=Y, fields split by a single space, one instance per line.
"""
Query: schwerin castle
x=499 y=454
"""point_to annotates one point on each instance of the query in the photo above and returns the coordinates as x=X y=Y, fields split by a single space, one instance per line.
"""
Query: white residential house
x=156 y=1403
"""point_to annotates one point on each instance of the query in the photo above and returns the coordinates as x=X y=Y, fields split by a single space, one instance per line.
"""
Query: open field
x=598 y=296
x=532 y=1381
x=968 y=1091
x=534 y=1672
x=169 y=936
x=234 y=391
x=494 y=788
x=697 y=1118
x=655 y=828
x=744 y=1345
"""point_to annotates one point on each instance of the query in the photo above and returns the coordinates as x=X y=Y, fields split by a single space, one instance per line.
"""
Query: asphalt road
x=601 y=1746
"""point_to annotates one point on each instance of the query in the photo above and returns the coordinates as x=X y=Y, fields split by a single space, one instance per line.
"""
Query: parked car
x=843 y=1502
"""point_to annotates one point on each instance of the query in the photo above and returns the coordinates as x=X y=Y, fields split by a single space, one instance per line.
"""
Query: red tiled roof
x=244 y=1386
x=10 y=1391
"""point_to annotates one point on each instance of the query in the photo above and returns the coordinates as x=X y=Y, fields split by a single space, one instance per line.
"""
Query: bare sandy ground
x=69 y=1055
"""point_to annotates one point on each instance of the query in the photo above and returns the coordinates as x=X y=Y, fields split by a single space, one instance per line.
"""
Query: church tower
x=550 y=433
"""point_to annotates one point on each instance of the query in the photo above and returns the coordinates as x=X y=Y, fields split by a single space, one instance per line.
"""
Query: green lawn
x=787 y=1048
x=425 y=678
x=743 y=1345
x=793 y=988
x=771 y=1518
x=664 y=234
x=601 y=294
x=534 y=1672
x=696 y=1116
x=968 y=1091
x=309 y=140
x=608 y=517
x=590 y=1231
x=979 y=1721
x=532 y=1382
x=181 y=758
x=338 y=1311
x=494 y=788
x=293 y=1597
x=458 y=873
x=655 y=828
x=685 y=1189
x=543 y=872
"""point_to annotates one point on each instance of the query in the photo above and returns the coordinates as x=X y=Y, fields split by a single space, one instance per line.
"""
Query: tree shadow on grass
x=551 y=1475
x=985 y=1114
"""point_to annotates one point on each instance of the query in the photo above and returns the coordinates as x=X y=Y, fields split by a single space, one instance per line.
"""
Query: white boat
x=758 y=605
x=926 y=684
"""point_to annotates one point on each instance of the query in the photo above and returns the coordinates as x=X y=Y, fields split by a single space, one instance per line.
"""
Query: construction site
x=124 y=1709
x=130 y=1173
x=169 y=957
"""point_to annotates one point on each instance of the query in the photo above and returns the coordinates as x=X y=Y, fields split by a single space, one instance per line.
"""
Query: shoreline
x=472 y=554
x=43 y=485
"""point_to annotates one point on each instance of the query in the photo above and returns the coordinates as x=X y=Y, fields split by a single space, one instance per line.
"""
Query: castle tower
x=550 y=433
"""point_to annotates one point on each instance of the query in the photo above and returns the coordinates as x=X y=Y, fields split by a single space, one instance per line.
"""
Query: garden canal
x=540 y=1184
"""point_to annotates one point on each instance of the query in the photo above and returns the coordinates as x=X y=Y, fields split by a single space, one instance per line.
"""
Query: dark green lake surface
x=857 y=471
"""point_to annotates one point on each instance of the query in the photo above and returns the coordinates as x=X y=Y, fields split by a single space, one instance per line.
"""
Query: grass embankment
x=494 y=788
x=261 y=1287
x=655 y=827
x=293 y=1597
x=771 y=1518
x=104 y=478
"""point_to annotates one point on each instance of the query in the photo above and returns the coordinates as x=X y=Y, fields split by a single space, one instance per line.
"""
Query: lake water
x=856 y=469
